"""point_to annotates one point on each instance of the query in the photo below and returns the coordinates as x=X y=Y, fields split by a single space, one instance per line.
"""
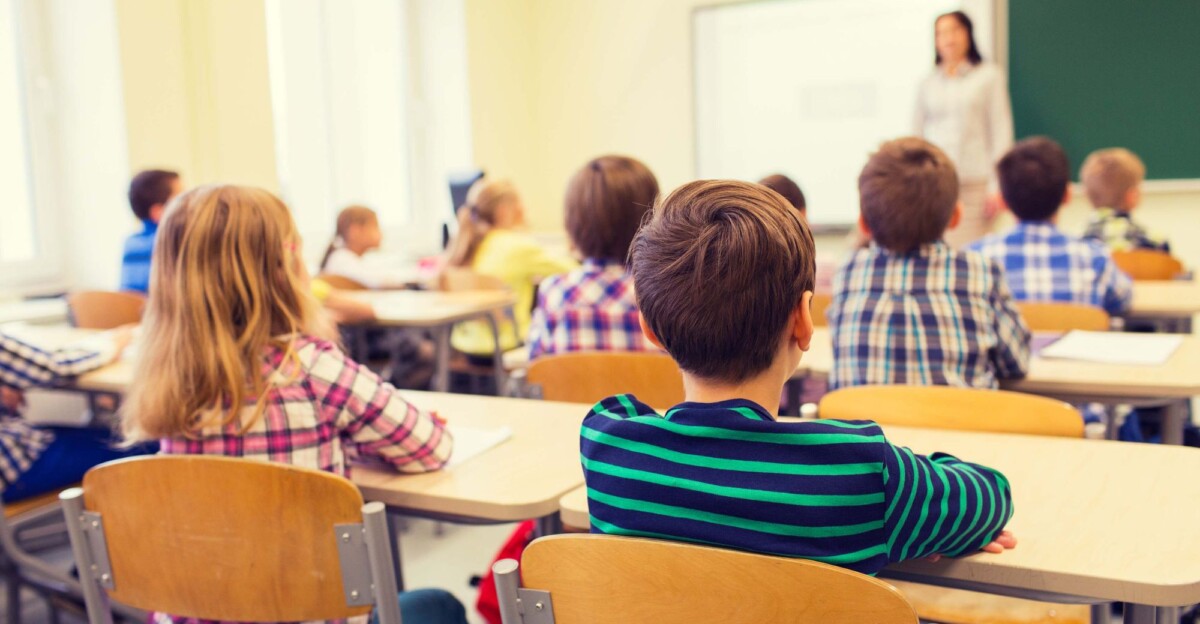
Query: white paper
x=1114 y=347
x=470 y=442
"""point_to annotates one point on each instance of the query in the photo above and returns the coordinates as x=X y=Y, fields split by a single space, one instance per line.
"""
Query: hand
x=12 y=399
x=1004 y=541
x=437 y=417
x=122 y=336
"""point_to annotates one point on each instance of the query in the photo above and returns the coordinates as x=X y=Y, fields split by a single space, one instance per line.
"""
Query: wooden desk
x=33 y=311
x=1174 y=382
x=1174 y=301
x=1095 y=520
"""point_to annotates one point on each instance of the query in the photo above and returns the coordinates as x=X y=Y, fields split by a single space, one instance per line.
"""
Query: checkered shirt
x=1043 y=264
x=590 y=309
x=930 y=317
x=1116 y=230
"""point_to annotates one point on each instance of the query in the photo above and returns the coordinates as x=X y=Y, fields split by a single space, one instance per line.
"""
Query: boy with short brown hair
x=909 y=309
x=1112 y=179
x=724 y=274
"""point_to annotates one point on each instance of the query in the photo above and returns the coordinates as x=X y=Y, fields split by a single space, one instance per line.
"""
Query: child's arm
x=25 y=365
x=373 y=419
x=1116 y=287
x=938 y=505
x=535 y=261
x=1011 y=356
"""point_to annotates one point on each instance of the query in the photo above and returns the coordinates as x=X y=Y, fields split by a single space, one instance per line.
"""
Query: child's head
x=1113 y=178
x=724 y=273
x=227 y=281
x=908 y=193
x=150 y=191
x=605 y=203
x=789 y=189
x=1034 y=179
x=491 y=204
x=357 y=230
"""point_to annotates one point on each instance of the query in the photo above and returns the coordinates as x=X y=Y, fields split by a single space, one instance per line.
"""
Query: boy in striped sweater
x=724 y=276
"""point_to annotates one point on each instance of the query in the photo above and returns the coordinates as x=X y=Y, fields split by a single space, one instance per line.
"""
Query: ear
x=649 y=333
x=1066 y=196
x=955 y=216
x=156 y=212
x=802 y=321
x=862 y=227
x=1133 y=197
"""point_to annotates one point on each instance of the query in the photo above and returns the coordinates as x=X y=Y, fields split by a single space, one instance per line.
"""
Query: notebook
x=470 y=442
x=1114 y=347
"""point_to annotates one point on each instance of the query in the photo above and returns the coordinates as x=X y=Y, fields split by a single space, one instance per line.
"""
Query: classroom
x=575 y=311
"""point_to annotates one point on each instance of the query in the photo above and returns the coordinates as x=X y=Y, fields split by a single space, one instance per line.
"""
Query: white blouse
x=370 y=270
x=969 y=116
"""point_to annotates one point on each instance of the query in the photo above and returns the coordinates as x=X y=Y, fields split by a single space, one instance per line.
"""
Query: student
x=35 y=459
x=1112 y=179
x=489 y=242
x=149 y=193
x=1041 y=263
x=724 y=272
x=358 y=233
x=909 y=309
x=594 y=308
x=235 y=360
x=790 y=191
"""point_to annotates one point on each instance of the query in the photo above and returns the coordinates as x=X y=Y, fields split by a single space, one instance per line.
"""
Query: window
x=370 y=106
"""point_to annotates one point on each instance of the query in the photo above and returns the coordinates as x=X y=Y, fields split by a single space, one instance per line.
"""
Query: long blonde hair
x=477 y=217
x=227 y=282
x=348 y=217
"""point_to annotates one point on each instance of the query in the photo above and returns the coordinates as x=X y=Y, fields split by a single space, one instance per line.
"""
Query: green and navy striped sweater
x=728 y=474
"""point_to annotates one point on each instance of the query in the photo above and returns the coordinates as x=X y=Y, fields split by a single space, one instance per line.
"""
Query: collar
x=1113 y=213
x=149 y=227
x=935 y=248
x=1040 y=227
x=602 y=264
x=741 y=407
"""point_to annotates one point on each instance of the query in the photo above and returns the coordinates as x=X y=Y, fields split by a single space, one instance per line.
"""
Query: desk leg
x=395 y=527
x=1174 y=418
x=441 y=372
x=1101 y=613
x=1145 y=614
x=548 y=525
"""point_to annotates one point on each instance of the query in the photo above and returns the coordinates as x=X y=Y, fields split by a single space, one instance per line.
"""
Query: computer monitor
x=460 y=184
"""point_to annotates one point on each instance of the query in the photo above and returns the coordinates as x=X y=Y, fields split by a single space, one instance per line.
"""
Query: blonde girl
x=236 y=359
x=489 y=242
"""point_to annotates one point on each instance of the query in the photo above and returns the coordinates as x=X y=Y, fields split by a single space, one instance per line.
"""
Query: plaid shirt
x=590 y=309
x=1116 y=230
x=931 y=317
x=24 y=365
x=1043 y=264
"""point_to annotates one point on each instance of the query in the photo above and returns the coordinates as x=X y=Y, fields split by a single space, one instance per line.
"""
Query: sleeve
x=25 y=365
x=373 y=420
x=1000 y=121
x=1115 y=286
x=540 y=332
x=939 y=505
x=536 y=262
x=1012 y=353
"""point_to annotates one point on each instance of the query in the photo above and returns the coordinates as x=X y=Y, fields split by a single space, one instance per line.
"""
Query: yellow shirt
x=520 y=262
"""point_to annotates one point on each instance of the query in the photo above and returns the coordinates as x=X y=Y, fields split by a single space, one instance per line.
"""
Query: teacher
x=963 y=108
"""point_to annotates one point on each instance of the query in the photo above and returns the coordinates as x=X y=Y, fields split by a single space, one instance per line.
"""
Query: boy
x=149 y=193
x=724 y=274
x=1112 y=179
x=908 y=308
x=1041 y=262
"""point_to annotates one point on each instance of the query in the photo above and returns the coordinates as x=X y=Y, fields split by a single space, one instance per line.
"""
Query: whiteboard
x=809 y=88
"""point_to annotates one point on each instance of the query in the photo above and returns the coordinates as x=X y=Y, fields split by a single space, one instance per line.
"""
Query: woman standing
x=963 y=107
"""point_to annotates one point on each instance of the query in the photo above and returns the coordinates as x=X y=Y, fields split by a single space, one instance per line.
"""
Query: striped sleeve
x=940 y=505
x=372 y=418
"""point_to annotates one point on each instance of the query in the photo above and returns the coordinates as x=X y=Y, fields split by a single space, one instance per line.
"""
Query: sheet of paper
x=470 y=442
x=1114 y=347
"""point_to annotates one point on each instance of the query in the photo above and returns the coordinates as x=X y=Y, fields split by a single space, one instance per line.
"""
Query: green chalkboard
x=1103 y=73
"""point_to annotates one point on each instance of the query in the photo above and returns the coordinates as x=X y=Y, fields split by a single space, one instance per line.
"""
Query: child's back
x=1112 y=179
x=149 y=192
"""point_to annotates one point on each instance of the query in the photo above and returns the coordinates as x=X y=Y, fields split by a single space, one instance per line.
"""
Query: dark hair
x=605 y=203
x=1034 y=175
x=149 y=188
x=964 y=21
x=719 y=267
x=787 y=187
x=907 y=192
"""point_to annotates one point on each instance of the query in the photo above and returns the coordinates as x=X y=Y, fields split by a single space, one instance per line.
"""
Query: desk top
x=1177 y=378
x=412 y=308
x=33 y=311
x=1094 y=519
x=1167 y=299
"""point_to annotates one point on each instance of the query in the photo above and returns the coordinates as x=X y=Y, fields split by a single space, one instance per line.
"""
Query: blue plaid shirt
x=1043 y=264
x=135 y=261
x=592 y=308
x=934 y=316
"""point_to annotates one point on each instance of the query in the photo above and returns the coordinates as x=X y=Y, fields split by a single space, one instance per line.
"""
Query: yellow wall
x=197 y=94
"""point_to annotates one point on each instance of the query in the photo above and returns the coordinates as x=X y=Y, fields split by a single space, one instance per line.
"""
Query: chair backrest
x=820 y=303
x=943 y=407
x=602 y=578
x=341 y=282
x=587 y=377
x=101 y=309
x=457 y=279
x=1148 y=264
x=1061 y=317
x=220 y=538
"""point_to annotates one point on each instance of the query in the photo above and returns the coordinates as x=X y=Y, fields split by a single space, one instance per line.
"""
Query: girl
x=489 y=243
x=357 y=233
x=236 y=360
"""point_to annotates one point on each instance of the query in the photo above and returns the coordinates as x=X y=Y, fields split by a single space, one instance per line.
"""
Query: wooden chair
x=964 y=409
x=1148 y=264
x=820 y=303
x=341 y=282
x=570 y=579
x=100 y=309
x=221 y=538
x=587 y=377
x=1061 y=317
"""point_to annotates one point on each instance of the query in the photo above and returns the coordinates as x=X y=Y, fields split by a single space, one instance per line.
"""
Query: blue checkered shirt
x=934 y=316
x=1043 y=264
x=592 y=308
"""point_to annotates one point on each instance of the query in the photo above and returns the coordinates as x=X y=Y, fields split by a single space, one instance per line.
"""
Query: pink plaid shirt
x=592 y=308
x=333 y=411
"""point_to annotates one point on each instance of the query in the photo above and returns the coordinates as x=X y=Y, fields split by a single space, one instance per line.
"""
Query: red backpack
x=488 y=604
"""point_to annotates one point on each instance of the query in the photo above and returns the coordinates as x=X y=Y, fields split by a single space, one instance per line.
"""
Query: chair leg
x=13 y=594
